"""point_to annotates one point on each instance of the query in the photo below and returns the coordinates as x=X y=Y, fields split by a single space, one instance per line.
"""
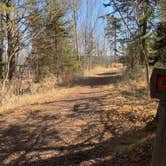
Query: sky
x=95 y=9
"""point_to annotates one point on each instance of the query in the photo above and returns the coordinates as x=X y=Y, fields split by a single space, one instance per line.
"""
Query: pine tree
x=53 y=45
x=159 y=39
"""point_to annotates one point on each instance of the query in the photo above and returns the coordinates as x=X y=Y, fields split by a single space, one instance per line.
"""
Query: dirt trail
x=93 y=126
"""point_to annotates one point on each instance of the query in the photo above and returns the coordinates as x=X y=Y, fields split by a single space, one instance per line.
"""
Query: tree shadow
x=24 y=136
x=107 y=74
x=52 y=138
x=78 y=99
x=98 y=151
x=100 y=79
x=137 y=93
x=139 y=154
x=20 y=139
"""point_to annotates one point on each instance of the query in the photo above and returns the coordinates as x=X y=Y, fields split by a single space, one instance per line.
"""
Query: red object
x=161 y=86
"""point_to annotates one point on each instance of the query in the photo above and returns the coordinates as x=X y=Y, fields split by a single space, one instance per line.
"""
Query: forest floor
x=102 y=121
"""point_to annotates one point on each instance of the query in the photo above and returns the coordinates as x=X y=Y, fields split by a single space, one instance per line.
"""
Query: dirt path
x=93 y=126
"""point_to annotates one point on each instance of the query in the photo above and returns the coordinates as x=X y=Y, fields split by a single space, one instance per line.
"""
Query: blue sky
x=96 y=9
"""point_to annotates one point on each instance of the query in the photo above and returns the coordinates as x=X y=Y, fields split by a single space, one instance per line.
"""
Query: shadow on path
x=20 y=140
x=83 y=130
x=100 y=79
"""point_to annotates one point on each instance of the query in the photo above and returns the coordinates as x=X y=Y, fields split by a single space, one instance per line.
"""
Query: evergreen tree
x=53 y=46
x=159 y=39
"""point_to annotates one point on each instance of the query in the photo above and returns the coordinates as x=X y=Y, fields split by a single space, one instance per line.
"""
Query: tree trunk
x=10 y=49
x=10 y=54
x=1 y=47
x=1 y=56
x=1 y=63
x=75 y=29
x=143 y=41
x=115 y=41
x=143 y=29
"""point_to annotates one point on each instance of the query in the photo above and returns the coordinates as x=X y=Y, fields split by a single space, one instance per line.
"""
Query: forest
x=75 y=82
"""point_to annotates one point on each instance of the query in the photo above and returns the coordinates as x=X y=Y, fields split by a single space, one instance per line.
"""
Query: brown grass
x=47 y=90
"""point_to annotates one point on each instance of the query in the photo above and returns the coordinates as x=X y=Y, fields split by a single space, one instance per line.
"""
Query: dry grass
x=100 y=69
x=47 y=90
x=13 y=102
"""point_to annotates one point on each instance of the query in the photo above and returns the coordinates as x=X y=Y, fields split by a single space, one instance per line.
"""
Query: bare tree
x=75 y=7
x=90 y=22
